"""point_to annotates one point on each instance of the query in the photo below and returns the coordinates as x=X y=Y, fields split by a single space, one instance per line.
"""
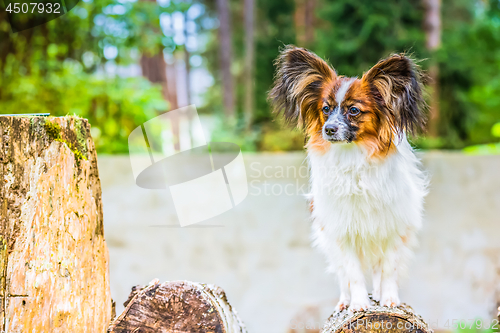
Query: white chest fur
x=365 y=204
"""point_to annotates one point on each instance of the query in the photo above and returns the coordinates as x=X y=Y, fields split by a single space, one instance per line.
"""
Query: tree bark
x=187 y=57
x=304 y=18
x=310 y=20
x=53 y=259
x=432 y=26
x=178 y=306
x=155 y=69
x=226 y=54
x=377 y=319
x=249 y=59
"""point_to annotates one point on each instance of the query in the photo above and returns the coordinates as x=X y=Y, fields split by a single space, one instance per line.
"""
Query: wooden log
x=377 y=319
x=178 y=306
x=53 y=258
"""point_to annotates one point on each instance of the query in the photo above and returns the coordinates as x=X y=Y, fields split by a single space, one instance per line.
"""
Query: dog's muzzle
x=336 y=129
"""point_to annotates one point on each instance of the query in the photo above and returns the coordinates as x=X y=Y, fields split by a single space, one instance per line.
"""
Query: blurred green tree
x=470 y=63
x=63 y=67
x=354 y=34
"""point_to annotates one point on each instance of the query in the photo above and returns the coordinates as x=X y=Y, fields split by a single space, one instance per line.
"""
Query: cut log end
x=377 y=319
x=178 y=306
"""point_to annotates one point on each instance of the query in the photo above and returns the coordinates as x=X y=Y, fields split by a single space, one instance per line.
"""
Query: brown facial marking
x=375 y=134
x=389 y=96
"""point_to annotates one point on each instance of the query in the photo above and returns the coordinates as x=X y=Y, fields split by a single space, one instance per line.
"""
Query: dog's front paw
x=390 y=300
x=342 y=305
x=359 y=304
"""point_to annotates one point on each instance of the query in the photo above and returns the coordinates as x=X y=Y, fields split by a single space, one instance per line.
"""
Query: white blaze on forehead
x=344 y=87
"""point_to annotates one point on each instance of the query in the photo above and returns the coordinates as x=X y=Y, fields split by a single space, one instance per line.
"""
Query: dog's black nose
x=331 y=129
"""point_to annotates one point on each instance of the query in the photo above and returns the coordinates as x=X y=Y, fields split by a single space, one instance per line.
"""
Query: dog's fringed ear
x=396 y=83
x=300 y=75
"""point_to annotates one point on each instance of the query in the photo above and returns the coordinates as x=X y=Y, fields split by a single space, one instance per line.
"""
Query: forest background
x=121 y=62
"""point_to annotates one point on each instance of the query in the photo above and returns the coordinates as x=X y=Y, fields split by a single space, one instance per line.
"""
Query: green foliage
x=59 y=67
x=495 y=130
x=469 y=61
x=484 y=149
x=274 y=29
x=354 y=34
x=225 y=132
x=282 y=139
x=488 y=148
x=114 y=106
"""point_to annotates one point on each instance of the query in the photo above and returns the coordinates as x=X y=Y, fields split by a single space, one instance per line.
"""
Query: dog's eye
x=326 y=109
x=354 y=111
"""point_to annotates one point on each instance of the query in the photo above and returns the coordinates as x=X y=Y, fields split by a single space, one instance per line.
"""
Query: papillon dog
x=367 y=187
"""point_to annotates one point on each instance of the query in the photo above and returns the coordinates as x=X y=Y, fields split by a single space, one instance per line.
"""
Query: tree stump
x=377 y=319
x=53 y=258
x=178 y=306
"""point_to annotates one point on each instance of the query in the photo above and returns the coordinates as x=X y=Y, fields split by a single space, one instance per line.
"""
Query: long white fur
x=366 y=214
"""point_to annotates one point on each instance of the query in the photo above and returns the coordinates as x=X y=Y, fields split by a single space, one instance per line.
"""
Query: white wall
x=259 y=252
